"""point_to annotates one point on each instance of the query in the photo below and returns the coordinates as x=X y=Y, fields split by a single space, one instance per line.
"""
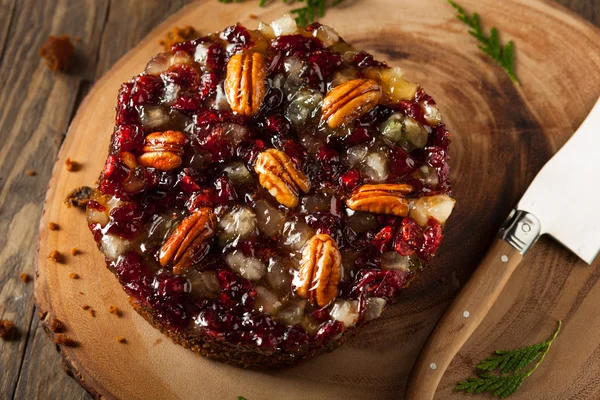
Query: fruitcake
x=269 y=191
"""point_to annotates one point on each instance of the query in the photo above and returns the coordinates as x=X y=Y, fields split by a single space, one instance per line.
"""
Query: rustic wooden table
x=37 y=108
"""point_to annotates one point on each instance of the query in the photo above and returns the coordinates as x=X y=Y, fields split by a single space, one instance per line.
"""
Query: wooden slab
x=502 y=136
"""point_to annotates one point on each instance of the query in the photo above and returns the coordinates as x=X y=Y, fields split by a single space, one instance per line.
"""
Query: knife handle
x=461 y=319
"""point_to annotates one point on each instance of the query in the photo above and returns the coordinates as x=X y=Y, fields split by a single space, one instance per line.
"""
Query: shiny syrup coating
x=240 y=289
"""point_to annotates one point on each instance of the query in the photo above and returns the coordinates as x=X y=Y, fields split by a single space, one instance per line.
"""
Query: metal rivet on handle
x=432 y=366
x=504 y=258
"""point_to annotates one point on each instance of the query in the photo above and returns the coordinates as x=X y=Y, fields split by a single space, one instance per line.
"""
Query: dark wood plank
x=37 y=108
x=107 y=31
x=588 y=9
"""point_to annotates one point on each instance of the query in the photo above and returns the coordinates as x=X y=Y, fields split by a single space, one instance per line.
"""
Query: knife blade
x=561 y=202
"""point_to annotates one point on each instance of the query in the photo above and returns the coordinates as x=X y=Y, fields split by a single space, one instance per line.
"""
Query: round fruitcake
x=269 y=191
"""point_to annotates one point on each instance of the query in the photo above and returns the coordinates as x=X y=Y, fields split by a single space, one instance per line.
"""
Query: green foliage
x=508 y=364
x=309 y=13
x=503 y=55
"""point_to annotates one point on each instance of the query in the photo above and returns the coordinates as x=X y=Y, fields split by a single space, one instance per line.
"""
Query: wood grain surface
x=502 y=137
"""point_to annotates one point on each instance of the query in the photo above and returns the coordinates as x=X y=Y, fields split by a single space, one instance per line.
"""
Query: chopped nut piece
x=71 y=165
x=121 y=339
x=114 y=310
x=79 y=197
x=85 y=307
x=178 y=35
x=74 y=251
x=92 y=312
x=53 y=226
x=56 y=257
x=56 y=52
x=30 y=172
x=64 y=340
x=6 y=328
x=279 y=175
x=190 y=240
x=350 y=100
x=55 y=325
x=245 y=82
x=385 y=198
x=320 y=271
x=24 y=277
x=73 y=275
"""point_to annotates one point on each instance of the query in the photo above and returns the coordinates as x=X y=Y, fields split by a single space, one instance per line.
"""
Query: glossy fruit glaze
x=240 y=290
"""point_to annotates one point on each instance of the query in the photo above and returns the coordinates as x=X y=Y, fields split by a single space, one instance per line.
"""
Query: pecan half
x=279 y=175
x=384 y=198
x=350 y=100
x=320 y=270
x=190 y=240
x=163 y=150
x=245 y=82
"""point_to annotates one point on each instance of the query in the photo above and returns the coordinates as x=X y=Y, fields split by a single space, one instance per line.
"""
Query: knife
x=562 y=201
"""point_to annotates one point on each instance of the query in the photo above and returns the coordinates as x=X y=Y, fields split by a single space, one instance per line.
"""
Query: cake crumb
x=178 y=35
x=121 y=339
x=253 y=16
x=92 y=312
x=24 y=277
x=64 y=340
x=85 y=307
x=30 y=172
x=53 y=226
x=75 y=251
x=56 y=52
x=6 y=327
x=81 y=293
x=55 y=325
x=73 y=275
x=55 y=256
x=79 y=197
x=114 y=310
x=71 y=165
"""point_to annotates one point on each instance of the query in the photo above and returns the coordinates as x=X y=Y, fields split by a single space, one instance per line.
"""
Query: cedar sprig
x=503 y=55
x=309 y=13
x=508 y=364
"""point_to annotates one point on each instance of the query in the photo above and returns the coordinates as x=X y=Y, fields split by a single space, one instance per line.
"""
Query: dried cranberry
x=297 y=45
x=325 y=222
x=215 y=59
x=432 y=237
x=238 y=36
x=188 y=102
x=225 y=192
x=293 y=149
x=441 y=137
x=183 y=75
x=127 y=138
x=202 y=198
x=294 y=338
x=147 y=89
x=237 y=291
x=277 y=125
x=409 y=237
x=330 y=161
x=359 y=135
x=187 y=183
x=208 y=85
x=189 y=46
x=131 y=272
x=322 y=64
x=401 y=162
x=250 y=149
x=413 y=110
x=382 y=239
x=350 y=180
x=169 y=287
x=378 y=283
x=328 y=331
x=96 y=229
x=363 y=59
